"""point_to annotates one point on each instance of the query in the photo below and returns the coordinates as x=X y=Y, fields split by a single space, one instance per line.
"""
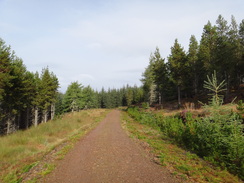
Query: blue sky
x=104 y=42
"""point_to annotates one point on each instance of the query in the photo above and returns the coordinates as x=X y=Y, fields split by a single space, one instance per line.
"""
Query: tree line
x=78 y=97
x=221 y=49
x=26 y=98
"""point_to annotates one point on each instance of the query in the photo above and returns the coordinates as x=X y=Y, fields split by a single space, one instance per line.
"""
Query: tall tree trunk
x=52 y=111
x=152 y=94
x=36 y=117
x=10 y=124
x=18 y=122
x=44 y=116
x=159 y=98
x=179 y=99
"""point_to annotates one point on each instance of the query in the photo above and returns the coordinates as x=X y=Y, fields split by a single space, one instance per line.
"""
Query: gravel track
x=108 y=155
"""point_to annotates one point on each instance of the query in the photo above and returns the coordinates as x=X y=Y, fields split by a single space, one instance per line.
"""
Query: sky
x=104 y=43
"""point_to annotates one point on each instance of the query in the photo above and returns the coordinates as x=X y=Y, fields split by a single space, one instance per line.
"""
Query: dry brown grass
x=25 y=147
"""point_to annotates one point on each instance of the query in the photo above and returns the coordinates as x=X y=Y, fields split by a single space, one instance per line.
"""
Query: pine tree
x=73 y=98
x=48 y=90
x=148 y=82
x=178 y=67
x=155 y=78
x=234 y=46
x=196 y=70
x=59 y=104
x=89 y=97
x=207 y=48
x=241 y=64
x=5 y=77
x=160 y=75
x=129 y=95
x=224 y=62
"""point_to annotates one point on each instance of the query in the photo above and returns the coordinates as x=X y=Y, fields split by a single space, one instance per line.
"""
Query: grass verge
x=181 y=163
x=23 y=150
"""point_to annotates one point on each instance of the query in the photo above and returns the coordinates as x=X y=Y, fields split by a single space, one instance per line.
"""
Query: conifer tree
x=196 y=70
x=48 y=90
x=207 y=48
x=178 y=67
x=241 y=64
x=224 y=62
x=147 y=81
x=160 y=75
x=89 y=97
x=234 y=46
x=155 y=78
x=5 y=77
x=73 y=98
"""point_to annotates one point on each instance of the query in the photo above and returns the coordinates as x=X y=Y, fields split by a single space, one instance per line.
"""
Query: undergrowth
x=167 y=145
x=216 y=138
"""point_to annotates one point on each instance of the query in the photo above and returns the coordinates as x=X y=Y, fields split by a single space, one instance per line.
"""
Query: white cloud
x=94 y=41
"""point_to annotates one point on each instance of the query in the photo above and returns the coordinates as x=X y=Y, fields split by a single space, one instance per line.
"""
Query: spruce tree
x=73 y=98
x=48 y=90
x=178 y=67
x=148 y=82
x=89 y=97
x=234 y=46
x=160 y=75
x=196 y=71
x=207 y=48
x=241 y=64
x=224 y=61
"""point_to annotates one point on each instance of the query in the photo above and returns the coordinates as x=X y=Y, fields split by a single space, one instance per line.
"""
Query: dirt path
x=107 y=154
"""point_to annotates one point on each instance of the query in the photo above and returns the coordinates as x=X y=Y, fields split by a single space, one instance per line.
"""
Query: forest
x=28 y=98
x=221 y=50
x=25 y=98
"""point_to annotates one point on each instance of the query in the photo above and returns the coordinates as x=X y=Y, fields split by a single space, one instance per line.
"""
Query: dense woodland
x=25 y=98
x=28 y=98
x=221 y=49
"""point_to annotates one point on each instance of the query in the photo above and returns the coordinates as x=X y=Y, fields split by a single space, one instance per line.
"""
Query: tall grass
x=24 y=145
x=218 y=137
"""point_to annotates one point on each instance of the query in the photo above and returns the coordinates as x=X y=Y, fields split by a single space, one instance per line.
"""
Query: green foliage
x=21 y=151
x=155 y=79
x=240 y=106
x=28 y=167
x=89 y=98
x=181 y=162
x=48 y=88
x=145 y=105
x=216 y=88
x=220 y=49
x=21 y=91
x=218 y=137
x=177 y=63
x=125 y=96
x=48 y=168
x=73 y=98
x=240 y=109
x=178 y=68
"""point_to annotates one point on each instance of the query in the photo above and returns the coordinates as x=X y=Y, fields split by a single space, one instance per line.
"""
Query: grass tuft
x=20 y=151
